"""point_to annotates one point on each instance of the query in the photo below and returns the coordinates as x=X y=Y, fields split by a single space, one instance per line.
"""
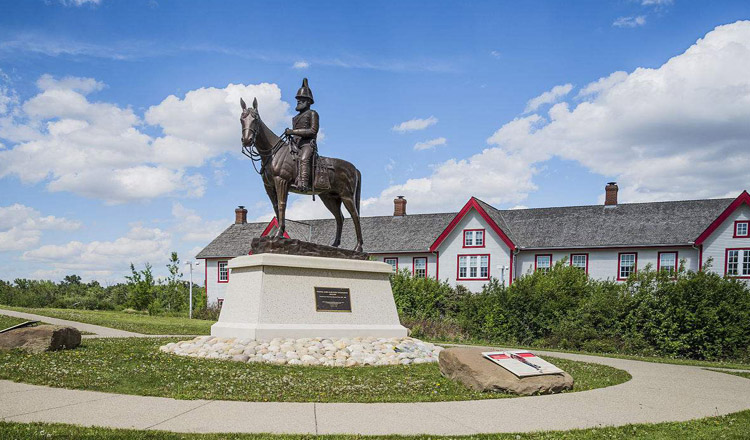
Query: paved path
x=657 y=393
x=97 y=330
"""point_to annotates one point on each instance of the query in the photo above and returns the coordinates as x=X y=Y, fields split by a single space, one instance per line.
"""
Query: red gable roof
x=472 y=204
x=743 y=198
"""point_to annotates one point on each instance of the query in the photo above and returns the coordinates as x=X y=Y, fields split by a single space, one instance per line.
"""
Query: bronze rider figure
x=304 y=134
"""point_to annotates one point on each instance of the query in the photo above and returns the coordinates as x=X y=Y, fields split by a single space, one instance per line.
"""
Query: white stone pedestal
x=273 y=296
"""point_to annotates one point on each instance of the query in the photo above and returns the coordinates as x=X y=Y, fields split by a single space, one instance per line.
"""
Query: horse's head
x=250 y=121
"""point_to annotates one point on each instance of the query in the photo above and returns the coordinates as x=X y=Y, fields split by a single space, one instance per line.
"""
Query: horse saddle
x=321 y=173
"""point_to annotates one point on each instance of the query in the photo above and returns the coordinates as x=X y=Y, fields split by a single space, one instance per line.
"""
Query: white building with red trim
x=481 y=242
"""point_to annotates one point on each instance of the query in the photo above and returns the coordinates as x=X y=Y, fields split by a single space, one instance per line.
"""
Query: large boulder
x=468 y=366
x=40 y=338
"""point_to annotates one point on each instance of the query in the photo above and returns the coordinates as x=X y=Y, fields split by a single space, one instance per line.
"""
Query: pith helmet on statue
x=305 y=92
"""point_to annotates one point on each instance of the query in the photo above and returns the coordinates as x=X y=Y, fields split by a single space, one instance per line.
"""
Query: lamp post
x=190 y=306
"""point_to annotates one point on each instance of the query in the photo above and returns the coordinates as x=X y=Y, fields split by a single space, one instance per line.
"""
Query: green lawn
x=135 y=366
x=744 y=374
x=150 y=325
x=730 y=427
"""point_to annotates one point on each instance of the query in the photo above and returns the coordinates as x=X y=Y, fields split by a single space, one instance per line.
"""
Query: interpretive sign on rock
x=522 y=363
x=332 y=299
x=469 y=366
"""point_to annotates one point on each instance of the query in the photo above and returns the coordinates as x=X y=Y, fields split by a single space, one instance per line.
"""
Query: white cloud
x=656 y=2
x=139 y=245
x=494 y=175
x=495 y=53
x=432 y=143
x=207 y=120
x=603 y=84
x=548 y=97
x=99 y=150
x=415 y=124
x=21 y=226
x=193 y=228
x=630 y=22
x=300 y=65
x=678 y=131
x=80 y=2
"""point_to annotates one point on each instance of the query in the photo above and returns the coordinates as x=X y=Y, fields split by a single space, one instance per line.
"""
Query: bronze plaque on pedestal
x=332 y=299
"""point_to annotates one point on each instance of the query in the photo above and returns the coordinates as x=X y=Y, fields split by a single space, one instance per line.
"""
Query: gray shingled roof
x=381 y=234
x=627 y=224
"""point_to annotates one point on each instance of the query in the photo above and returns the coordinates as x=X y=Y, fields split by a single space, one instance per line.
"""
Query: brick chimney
x=240 y=215
x=399 y=206
x=610 y=194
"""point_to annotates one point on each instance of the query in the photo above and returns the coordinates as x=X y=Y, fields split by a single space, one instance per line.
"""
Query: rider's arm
x=309 y=132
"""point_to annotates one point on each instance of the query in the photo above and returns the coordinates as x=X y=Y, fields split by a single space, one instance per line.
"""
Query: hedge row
x=698 y=315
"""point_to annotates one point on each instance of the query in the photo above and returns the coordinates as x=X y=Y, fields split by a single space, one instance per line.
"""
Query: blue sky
x=119 y=140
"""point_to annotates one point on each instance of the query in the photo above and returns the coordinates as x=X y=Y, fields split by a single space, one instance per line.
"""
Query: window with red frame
x=626 y=266
x=543 y=262
x=474 y=238
x=668 y=262
x=473 y=267
x=393 y=262
x=738 y=263
x=741 y=229
x=223 y=271
x=420 y=267
x=580 y=261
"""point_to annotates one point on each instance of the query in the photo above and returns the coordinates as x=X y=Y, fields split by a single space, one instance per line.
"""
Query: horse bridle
x=253 y=132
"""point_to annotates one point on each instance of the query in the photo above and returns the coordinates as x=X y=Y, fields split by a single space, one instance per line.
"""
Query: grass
x=135 y=366
x=729 y=427
x=744 y=374
x=146 y=324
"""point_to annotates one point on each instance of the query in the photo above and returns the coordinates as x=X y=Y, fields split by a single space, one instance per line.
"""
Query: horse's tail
x=359 y=191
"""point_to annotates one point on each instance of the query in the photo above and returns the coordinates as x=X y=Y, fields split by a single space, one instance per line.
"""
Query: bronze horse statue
x=335 y=181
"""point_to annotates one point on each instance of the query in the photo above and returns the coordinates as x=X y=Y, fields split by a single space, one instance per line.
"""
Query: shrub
x=693 y=315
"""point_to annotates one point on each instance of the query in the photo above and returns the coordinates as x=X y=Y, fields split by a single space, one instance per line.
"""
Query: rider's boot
x=304 y=175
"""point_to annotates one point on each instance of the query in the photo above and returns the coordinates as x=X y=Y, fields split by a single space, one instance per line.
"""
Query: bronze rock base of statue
x=291 y=246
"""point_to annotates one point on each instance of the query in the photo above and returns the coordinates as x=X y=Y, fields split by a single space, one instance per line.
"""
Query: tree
x=174 y=295
x=141 y=287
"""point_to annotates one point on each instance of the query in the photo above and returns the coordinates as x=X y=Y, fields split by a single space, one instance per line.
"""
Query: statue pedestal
x=291 y=296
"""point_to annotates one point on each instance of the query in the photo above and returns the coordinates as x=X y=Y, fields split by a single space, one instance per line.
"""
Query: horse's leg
x=351 y=206
x=282 y=193
x=333 y=203
x=271 y=191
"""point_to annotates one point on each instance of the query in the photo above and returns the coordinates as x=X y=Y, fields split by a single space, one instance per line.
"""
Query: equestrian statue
x=291 y=163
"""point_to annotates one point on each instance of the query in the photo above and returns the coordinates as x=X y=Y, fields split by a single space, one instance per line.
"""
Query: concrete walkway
x=657 y=393
x=97 y=330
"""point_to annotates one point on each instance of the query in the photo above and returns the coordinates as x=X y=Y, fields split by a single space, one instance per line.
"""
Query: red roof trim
x=742 y=198
x=472 y=203
x=273 y=223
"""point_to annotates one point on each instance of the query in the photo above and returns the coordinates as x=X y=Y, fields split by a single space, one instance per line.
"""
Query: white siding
x=721 y=239
x=214 y=289
x=603 y=262
x=406 y=261
x=452 y=247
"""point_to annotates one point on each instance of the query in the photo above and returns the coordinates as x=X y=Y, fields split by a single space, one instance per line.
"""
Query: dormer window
x=473 y=238
x=742 y=229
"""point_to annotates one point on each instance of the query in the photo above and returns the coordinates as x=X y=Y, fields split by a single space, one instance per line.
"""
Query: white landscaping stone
x=345 y=352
